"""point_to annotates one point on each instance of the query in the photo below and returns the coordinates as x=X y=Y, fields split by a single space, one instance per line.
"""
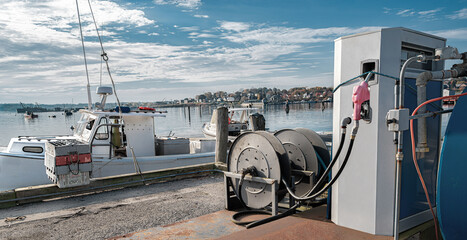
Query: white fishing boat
x=118 y=142
x=239 y=122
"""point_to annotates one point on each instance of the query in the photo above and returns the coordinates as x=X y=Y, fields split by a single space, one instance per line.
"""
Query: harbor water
x=179 y=121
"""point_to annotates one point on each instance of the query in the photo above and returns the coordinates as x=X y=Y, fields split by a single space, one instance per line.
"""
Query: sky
x=171 y=49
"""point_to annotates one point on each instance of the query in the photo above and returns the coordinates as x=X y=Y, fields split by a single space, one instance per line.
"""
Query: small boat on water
x=30 y=115
x=146 y=109
x=239 y=122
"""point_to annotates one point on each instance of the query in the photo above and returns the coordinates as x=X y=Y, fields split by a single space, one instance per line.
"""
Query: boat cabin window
x=33 y=149
x=84 y=127
x=102 y=131
x=89 y=125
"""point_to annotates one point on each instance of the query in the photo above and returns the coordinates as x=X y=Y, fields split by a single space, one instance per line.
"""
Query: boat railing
x=109 y=137
x=41 y=137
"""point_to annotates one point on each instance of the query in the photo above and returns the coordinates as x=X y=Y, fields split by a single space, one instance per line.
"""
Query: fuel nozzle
x=360 y=95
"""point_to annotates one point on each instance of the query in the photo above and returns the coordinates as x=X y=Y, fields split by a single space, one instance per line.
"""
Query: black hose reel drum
x=275 y=156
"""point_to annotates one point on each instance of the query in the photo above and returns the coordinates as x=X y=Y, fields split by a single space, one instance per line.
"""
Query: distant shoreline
x=12 y=107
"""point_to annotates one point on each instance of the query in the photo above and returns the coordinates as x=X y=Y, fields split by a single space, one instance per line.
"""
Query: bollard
x=257 y=122
x=189 y=114
x=222 y=133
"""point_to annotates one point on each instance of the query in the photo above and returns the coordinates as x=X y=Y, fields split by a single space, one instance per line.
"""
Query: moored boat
x=239 y=121
x=30 y=115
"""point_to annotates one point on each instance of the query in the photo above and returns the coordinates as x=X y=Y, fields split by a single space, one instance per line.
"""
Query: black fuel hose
x=341 y=168
x=245 y=213
x=346 y=121
x=289 y=212
x=323 y=177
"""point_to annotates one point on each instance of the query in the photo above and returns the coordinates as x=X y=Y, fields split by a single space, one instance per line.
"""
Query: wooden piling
x=189 y=114
x=222 y=133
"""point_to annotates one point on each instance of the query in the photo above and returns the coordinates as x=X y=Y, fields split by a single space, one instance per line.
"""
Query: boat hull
x=18 y=172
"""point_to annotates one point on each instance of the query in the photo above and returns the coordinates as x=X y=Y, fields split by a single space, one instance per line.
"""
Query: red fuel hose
x=414 y=156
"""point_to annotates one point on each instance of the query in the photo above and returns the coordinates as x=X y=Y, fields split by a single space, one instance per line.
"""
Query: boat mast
x=88 y=86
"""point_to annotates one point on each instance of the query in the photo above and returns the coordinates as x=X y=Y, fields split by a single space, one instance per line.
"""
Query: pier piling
x=221 y=136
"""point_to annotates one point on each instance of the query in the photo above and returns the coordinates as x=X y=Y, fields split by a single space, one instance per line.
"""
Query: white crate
x=70 y=179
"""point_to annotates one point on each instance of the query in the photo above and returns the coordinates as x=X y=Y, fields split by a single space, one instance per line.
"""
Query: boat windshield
x=240 y=115
x=84 y=127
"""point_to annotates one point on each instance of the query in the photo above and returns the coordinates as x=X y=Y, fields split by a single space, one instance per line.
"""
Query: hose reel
x=274 y=156
x=251 y=152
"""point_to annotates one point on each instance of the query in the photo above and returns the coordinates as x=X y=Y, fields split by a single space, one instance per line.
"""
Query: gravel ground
x=115 y=213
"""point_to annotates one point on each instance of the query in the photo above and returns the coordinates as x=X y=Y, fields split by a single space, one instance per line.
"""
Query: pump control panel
x=397 y=120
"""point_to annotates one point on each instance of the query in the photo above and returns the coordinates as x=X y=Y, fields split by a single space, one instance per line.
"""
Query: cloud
x=40 y=43
x=287 y=35
x=429 y=12
x=40 y=52
x=234 y=26
x=200 y=16
x=460 y=33
x=189 y=29
x=424 y=15
x=191 y=4
x=201 y=35
x=47 y=22
x=405 y=12
x=461 y=14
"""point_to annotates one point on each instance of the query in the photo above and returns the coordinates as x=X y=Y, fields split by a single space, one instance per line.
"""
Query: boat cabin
x=114 y=134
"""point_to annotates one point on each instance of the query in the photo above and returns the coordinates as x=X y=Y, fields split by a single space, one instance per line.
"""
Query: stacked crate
x=68 y=163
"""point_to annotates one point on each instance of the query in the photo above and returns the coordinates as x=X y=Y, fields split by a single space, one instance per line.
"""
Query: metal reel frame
x=266 y=153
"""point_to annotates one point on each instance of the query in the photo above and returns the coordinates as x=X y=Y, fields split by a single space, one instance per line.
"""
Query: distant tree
x=208 y=95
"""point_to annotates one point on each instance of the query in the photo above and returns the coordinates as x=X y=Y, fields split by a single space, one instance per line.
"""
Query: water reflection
x=182 y=121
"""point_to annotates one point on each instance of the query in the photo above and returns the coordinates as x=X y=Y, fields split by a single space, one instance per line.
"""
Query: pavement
x=114 y=213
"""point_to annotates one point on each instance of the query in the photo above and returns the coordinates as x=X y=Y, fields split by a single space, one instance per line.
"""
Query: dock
x=105 y=214
x=189 y=204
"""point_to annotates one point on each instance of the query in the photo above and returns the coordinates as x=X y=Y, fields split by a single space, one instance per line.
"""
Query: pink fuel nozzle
x=360 y=95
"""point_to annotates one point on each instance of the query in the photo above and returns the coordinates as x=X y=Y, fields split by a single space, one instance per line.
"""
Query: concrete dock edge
x=50 y=191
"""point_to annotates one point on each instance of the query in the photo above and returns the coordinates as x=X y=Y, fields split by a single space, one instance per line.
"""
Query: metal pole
x=88 y=86
x=402 y=80
x=399 y=158
x=222 y=133
x=399 y=154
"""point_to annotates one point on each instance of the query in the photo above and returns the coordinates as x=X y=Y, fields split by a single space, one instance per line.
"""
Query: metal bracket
x=231 y=200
